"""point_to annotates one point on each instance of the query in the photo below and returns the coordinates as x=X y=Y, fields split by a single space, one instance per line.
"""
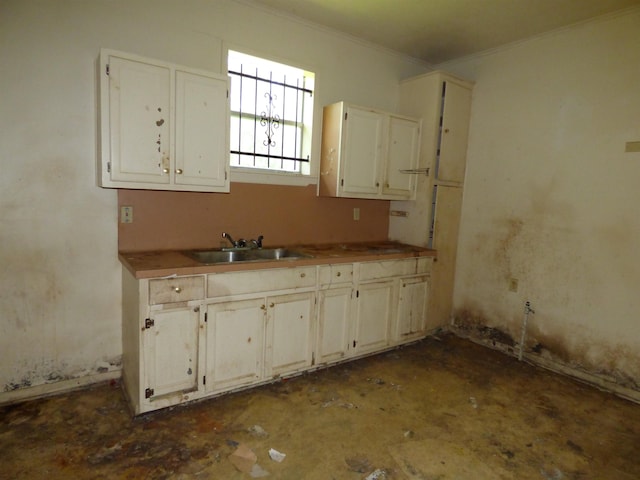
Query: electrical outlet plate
x=126 y=214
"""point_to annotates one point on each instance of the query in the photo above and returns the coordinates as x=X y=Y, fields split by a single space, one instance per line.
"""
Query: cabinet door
x=455 y=131
x=202 y=115
x=373 y=316
x=170 y=346
x=139 y=121
x=363 y=150
x=403 y=152
x=333 y=326
x=412 y=308
x=290 y=332
x=235 y=343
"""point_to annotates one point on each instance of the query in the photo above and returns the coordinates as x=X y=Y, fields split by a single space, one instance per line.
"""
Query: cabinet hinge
x=149 y=322
x=225 y=175
x=206 y=317
x=313 y=358
x=108 y=167
x=106 y=69
x=342 y=182
x=357 y=293
x=148 y=393
x=204 y=379
x=354 y=344
x=345 y=115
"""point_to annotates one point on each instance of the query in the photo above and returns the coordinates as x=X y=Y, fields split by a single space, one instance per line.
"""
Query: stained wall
x=552 y=200
x=60 y=280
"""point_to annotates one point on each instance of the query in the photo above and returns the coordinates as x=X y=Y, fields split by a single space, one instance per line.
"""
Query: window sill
x=276 y=178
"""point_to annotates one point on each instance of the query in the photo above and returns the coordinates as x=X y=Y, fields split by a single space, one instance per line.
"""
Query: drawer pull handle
x=262 y=307
x=272 y=304
x=177 y=289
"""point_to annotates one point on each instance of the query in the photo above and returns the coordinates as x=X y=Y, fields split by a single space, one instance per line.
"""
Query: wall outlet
x=356 y=213
x=513 y=284
x=126 y=214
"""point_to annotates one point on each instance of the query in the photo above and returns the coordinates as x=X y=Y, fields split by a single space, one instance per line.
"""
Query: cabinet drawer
x=335 y=274
x=387 y=268
x=179 y=289
x=256 y=281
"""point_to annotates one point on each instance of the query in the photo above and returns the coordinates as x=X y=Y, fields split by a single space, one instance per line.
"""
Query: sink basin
x=209 y=257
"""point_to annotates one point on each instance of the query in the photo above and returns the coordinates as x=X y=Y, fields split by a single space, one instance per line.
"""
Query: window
x=271 y=115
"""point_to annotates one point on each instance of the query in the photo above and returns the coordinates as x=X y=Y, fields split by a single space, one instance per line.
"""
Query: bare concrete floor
x=440 y=409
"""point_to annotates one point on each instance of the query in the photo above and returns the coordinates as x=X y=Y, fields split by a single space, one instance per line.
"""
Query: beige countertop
x=175 y=262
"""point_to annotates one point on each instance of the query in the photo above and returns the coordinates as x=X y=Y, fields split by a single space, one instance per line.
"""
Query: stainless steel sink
x=209 y=257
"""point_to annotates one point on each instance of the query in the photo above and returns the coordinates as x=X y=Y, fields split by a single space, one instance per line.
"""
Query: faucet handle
x=258 y=242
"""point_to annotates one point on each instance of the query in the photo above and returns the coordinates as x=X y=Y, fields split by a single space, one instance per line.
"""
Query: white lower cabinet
x=334 y=322
x=413 y=296
x=373 y=316
x=195 y=336
x=235 y=343
x=290 y=328
x=171 y=369
x=335 y=299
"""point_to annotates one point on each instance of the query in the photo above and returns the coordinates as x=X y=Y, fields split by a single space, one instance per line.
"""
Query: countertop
x=175 y=262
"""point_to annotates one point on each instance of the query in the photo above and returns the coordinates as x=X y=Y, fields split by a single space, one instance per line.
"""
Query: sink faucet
x=242 y=243
x=239 y=244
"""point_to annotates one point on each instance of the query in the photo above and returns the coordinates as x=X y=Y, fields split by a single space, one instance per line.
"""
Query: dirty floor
x=440 y=409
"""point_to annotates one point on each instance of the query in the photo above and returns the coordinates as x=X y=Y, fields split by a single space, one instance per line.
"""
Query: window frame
x=275 y=177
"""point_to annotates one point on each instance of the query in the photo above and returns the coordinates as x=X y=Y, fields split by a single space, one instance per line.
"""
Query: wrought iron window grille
x=277 y=126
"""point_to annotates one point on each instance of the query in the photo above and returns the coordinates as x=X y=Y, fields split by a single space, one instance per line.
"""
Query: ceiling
x=436 y=31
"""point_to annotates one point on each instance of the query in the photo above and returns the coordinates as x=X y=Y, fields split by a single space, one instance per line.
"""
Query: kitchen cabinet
x=162 y=126
x=443 y=103
x=335 y=293
x=263 y=328
x=168 y=369
x=194 y=336
x=235 y=343
x=163 y=348
x=367 y=152
x=290 y=333
x=413 y=295
x=373 y=316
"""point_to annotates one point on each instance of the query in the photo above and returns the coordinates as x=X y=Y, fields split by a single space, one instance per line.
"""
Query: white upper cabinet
x=366 y=153
x=162 y=126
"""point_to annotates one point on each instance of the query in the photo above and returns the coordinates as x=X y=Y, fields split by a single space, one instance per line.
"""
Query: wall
x=60 y=279
x=552 y=199
x=284 y=215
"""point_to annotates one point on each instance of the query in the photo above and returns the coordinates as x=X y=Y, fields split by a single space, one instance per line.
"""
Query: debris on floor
x=276 y=456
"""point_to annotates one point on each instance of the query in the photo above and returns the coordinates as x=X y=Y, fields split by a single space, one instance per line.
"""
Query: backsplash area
x=166 y=220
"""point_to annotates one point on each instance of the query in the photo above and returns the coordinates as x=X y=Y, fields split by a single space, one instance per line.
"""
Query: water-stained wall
x=551 y=209
x=60 y=311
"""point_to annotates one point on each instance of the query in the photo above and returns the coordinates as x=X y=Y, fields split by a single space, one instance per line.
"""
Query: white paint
x=60 y=283
x=550 y=196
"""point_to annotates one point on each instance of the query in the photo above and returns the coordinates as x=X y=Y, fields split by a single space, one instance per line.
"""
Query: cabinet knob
x=302 y=275
x=446 y=130
x=177 y=289
x=179 y=171
x=165 y=170
x=272 y=304
x=377 y=184
x=338 y=274
x=263 y=307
